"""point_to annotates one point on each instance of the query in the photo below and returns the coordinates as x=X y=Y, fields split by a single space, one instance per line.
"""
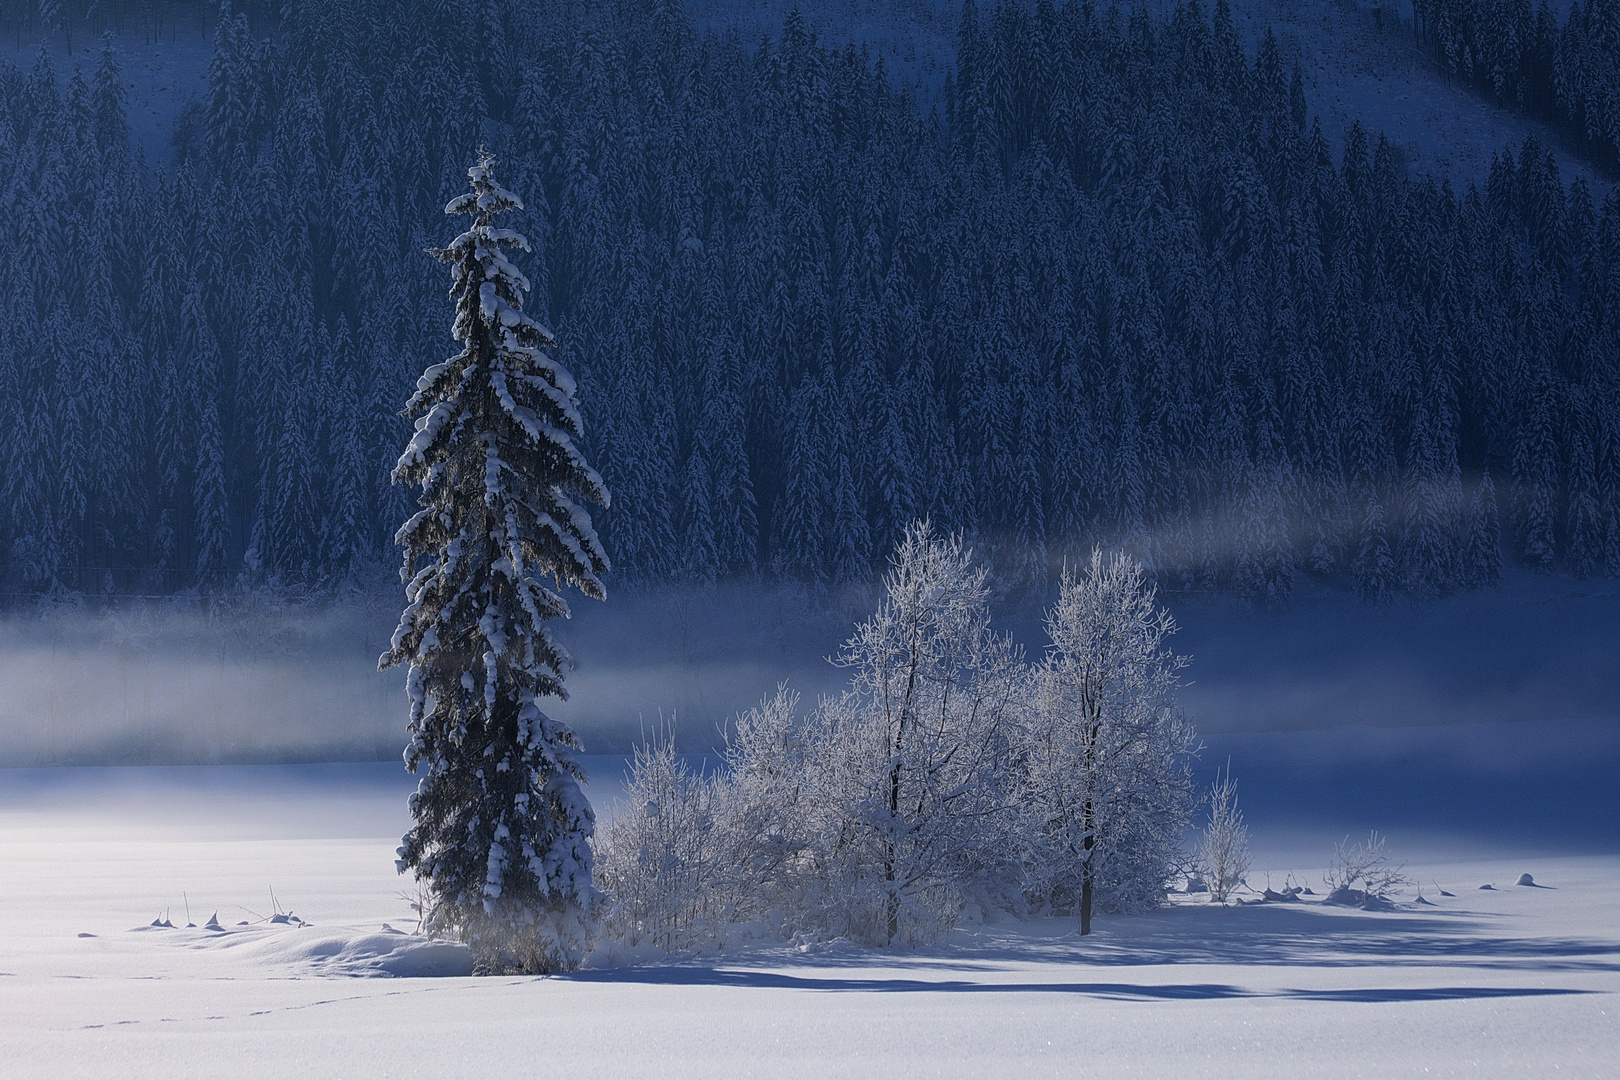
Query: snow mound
x=352 y=953
x=1343 y=897
x=333 y=952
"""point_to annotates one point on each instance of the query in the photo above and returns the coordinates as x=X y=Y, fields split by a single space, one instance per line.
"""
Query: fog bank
x=1328 y=681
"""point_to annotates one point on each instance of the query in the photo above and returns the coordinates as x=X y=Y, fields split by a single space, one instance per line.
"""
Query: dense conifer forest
x=1568 y=72
x=1120 y=290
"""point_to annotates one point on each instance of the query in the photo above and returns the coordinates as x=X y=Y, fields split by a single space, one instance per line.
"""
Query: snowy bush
x=1223 y=856
x=1361 y=873
x=770 y=815
x=660 y=858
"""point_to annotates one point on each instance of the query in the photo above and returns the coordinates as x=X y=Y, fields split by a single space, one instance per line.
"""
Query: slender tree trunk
x=892 y=903
x=891 y=852
x=1087 y=875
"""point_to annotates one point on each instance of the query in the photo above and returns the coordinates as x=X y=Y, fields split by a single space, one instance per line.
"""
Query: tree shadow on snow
x=1271 y=935
x=683 y=975
x=1285 y=935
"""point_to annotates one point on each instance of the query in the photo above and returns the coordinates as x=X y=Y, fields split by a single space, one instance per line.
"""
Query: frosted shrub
x=1223 y=856
x=662 y=859
x=691 y=856
x=1361 y=873
x=771 y=818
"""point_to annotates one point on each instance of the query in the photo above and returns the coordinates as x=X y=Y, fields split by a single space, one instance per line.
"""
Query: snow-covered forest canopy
x=1120 y=290
x=1570 y=72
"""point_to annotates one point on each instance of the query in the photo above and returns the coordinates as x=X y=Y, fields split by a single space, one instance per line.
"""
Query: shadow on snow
x=1306 y=935
x=753 y=980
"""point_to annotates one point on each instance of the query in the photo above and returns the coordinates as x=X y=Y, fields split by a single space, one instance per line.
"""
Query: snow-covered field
x=1514 y=981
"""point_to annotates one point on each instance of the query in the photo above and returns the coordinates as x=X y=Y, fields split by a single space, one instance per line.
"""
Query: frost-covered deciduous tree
x=1223 y=855
x=502 y=830
x=916 y=759
x=1110 y=792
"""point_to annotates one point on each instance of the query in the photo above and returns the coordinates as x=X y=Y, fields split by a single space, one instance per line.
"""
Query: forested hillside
x=1569 y=72
x=1121 y=291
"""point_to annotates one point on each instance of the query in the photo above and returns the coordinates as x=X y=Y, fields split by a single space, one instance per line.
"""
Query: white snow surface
x=1515 y=981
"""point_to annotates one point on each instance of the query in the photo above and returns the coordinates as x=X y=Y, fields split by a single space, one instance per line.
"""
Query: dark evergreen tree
x=1375 y=565
x=502 y=833
x=1482 y=556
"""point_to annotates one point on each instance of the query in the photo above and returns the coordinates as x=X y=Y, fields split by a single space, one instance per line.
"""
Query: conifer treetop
x=534 y=420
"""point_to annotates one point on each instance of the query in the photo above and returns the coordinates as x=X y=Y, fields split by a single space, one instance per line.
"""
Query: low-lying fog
x=1502 y=708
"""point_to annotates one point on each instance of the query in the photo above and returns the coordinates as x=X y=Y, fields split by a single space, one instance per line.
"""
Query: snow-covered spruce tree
x=502 y=833
x=1110 y=792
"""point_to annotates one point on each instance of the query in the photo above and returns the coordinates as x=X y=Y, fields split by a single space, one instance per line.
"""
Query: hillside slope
x=1359 y=60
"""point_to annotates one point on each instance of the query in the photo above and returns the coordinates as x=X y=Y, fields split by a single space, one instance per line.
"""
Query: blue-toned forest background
x=1111 y=284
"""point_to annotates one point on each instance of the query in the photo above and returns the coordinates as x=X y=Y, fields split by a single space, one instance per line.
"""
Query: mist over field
x=1486 y=712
